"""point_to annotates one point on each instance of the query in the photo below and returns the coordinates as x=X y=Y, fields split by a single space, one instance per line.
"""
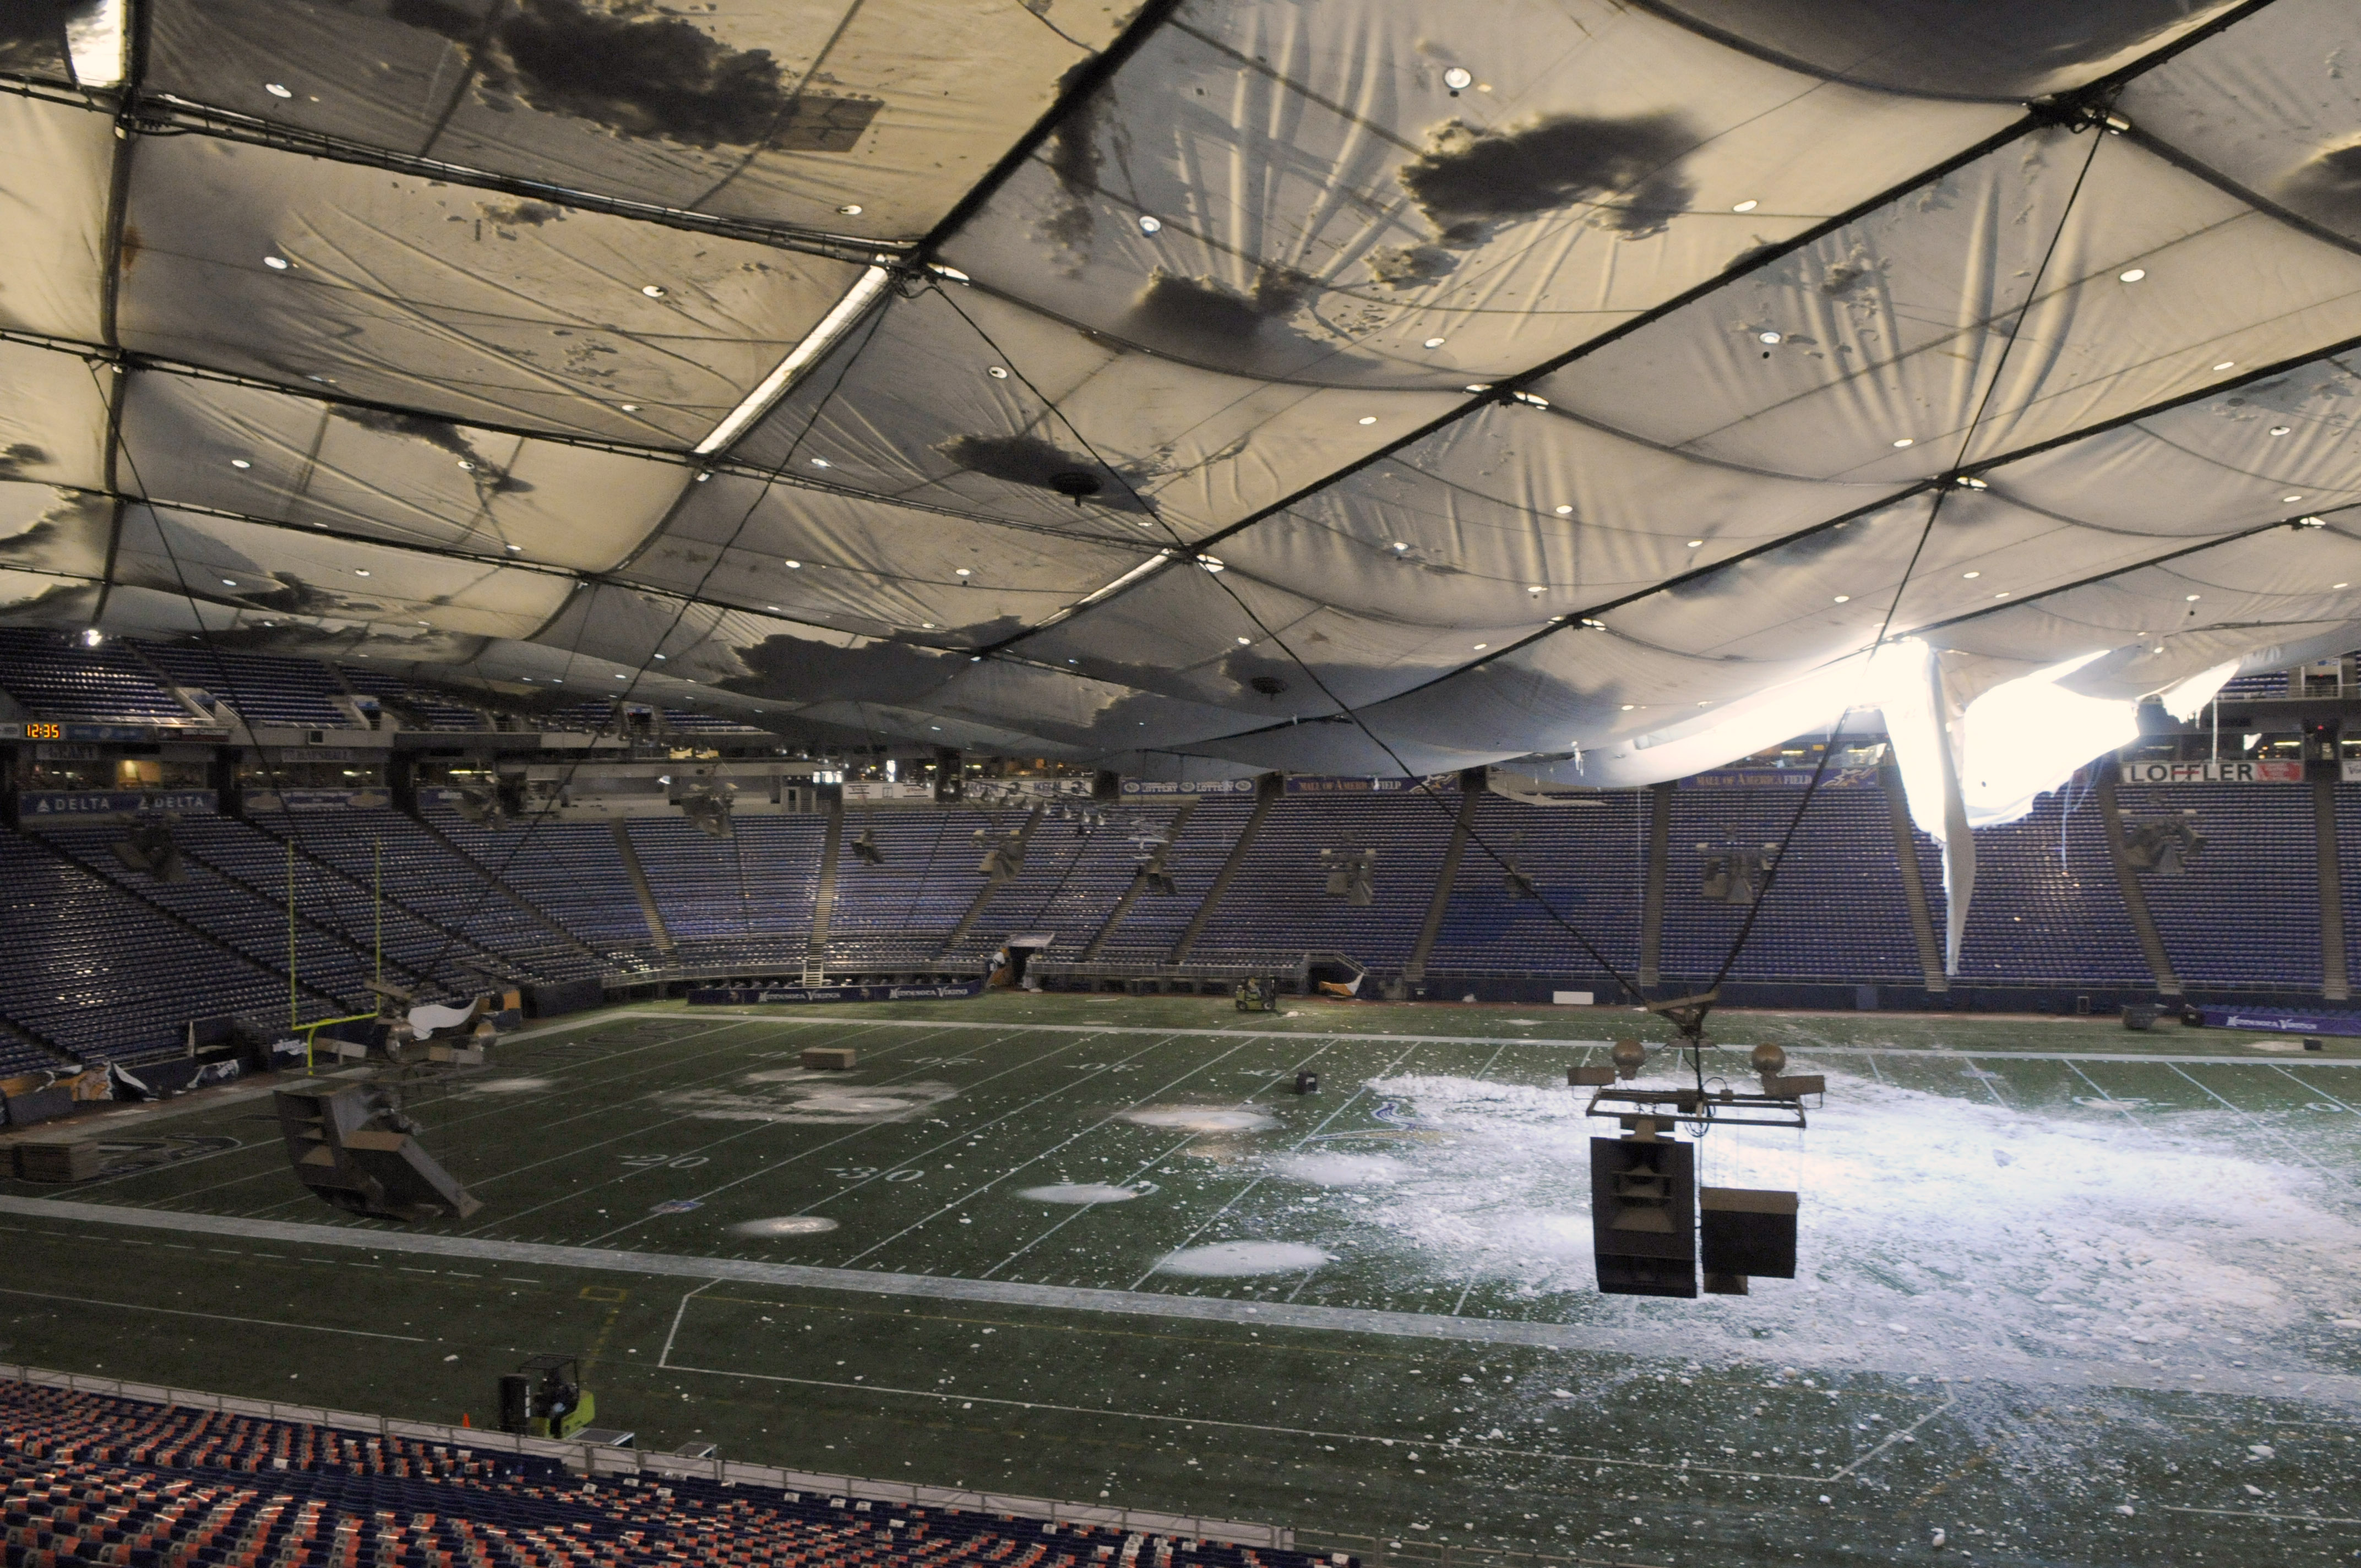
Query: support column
x=2127 y=880
x=1652 y=905
x=1268 y=790
x=1438 y=904
x=823 y=899
x=647 y=894
x=984 y=895
x=1913 y=882
x=1122 y=909
x=2335 y=983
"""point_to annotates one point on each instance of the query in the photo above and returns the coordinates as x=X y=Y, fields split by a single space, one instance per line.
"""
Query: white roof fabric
x=1531 y=378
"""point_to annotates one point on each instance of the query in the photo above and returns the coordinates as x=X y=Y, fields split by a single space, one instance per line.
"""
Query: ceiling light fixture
x=277 y=90
x=2002 y=595
x=1769 y=336
x=1844 y=598
x=2281 y=429
x=239 y=462
x=1212 y=563
x=850 y=209
x=964 y=572
x=1479 y=647
x=1628 y=706
x=515 y=549
x=821 y=463
x=360 y=571
x=1971 y=574
x=1150 y=224
x=2192 y=599
x=997 y=372
x=631 y=408
x=865 y=292
x=2227 y=365
x=1458 y=78
x=1590 y=625
x=229 y=582
x=2131 y=275
x=1565 y=510
x=653 y=290
x=1435 y=342
x=1368 y=418
x=1746 y=206
x=277 y=263
x=795 y=565
x=1697 y=543
x=1245 y=641
x=1907 y=441
x=2291 y=497
x=2340 y=585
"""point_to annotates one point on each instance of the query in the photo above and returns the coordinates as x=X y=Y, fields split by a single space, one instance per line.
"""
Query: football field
x=2069 y=1294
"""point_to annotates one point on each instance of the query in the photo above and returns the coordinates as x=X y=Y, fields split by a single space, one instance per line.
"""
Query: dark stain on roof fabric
x=1196 y=313
x=490 y=478
x=33 y=37
x=1468 y=180
x=1029 y=460
x=1072 y=155
x=15 y=459
x=2001 y=48
x=2327 y=188
x=638 y=72
x=70 y=536
x=798 y=669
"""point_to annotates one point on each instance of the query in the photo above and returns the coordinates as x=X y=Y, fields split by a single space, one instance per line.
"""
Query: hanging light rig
x=1654 y=1228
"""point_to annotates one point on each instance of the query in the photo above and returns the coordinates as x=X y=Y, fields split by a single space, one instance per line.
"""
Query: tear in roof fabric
x=1531 y=378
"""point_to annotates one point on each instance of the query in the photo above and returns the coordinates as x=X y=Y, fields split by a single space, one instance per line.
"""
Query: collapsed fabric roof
x=1144 y=384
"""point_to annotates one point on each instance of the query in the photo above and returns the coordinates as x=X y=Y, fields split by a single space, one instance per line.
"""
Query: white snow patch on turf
x=1231 y=1260
x=1341 y=1170
x=786 y=1225
x=512 y=1085
x=1202 y=1118
x=1065 y=1192
x=1991 y=1232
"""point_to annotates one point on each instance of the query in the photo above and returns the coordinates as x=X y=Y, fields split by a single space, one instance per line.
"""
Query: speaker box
x=342 y=1149
x=827 y=1058
x=1747 y=1231
x=1643 y=1215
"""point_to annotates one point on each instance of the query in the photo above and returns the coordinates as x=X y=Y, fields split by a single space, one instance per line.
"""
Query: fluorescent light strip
x=1162 y=558
x=818 y=341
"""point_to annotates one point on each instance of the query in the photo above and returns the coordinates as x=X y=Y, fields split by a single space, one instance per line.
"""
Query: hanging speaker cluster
x=1351 y=875
x=149 y=848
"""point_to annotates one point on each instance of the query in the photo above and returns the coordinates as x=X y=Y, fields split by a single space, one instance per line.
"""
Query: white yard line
x=1380 y=1038
x=927 y=1153
x=1239 y=1196
x=1444 y=1448
x=981 y=1189
x=651 y=1128
x=216 y=1317
x=2309 y=1088
x=1682 y=1345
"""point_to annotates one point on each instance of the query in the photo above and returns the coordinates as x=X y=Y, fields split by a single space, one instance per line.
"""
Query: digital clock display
x=45 y=732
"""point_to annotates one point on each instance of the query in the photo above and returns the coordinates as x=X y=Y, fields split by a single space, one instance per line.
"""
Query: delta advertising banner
x=748 y=995
x=2233 y=772
x=110 y=803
